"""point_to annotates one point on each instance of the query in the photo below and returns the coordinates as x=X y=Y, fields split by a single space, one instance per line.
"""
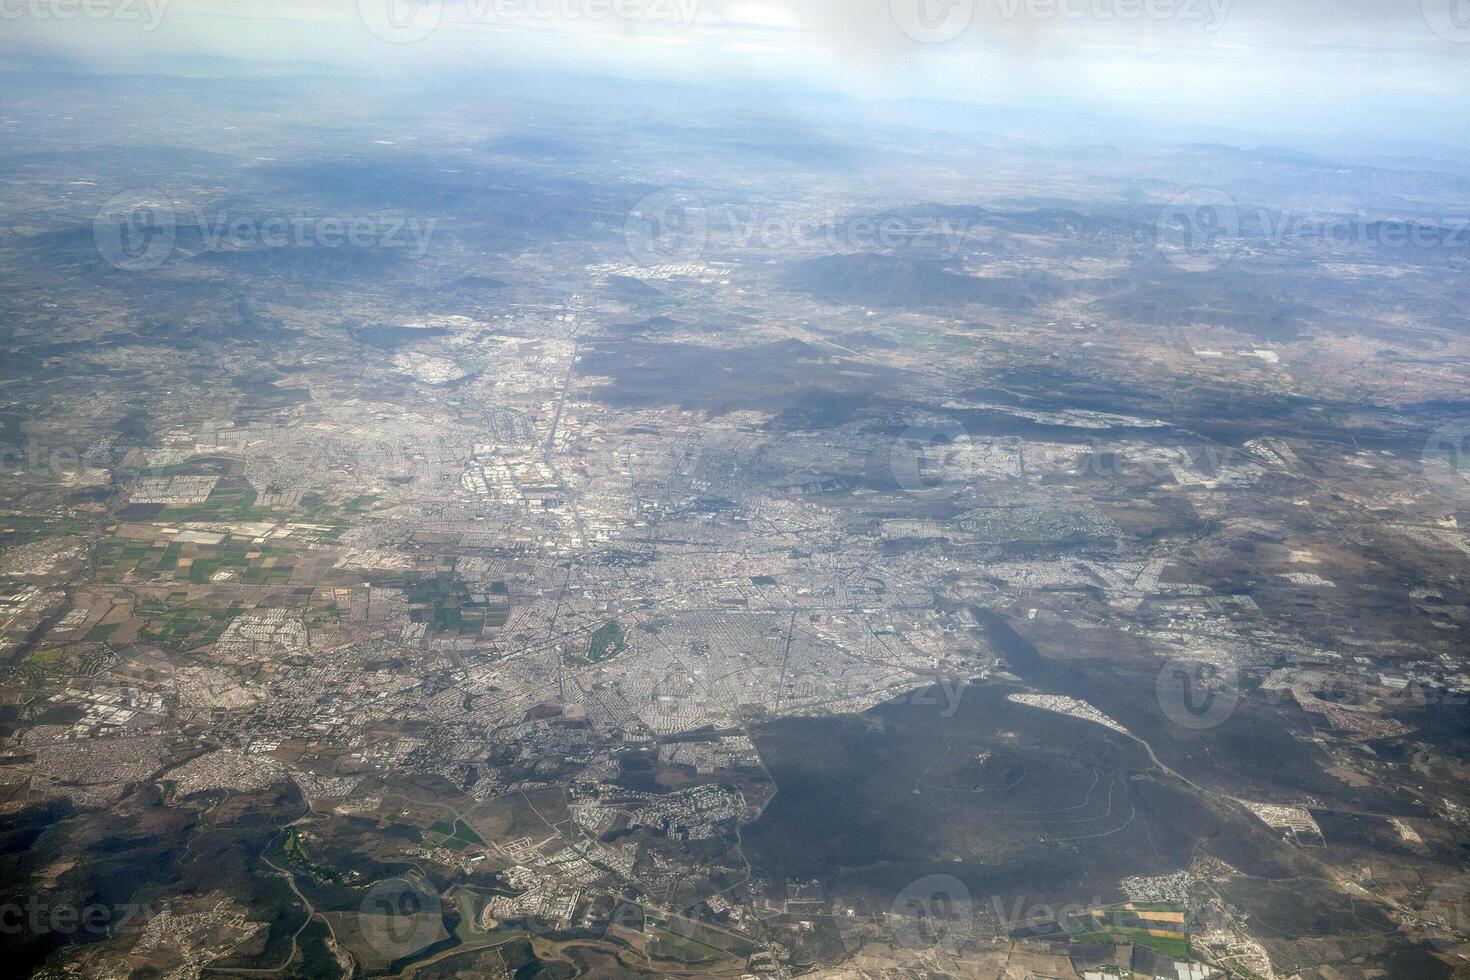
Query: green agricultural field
x=179 y=628
x=118 y=559
x=1120 y=925
x=252 y=564
x=454 y=837
x=443 y=602
x=1177 y=948
x=21 y=529
x=45 y=658
x=947 y=343
x=671 y=945
x=225 y=502
x=101 y=633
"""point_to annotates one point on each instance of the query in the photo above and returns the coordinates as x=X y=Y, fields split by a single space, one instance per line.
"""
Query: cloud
x=1273 y=64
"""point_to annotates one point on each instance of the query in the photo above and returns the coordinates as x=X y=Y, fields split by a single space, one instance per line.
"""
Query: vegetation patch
x=606 y=643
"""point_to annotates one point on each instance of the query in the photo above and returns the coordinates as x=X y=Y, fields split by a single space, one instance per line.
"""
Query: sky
x=1344 y=69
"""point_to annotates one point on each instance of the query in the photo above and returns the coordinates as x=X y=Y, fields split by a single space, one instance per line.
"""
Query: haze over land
x=776 y=489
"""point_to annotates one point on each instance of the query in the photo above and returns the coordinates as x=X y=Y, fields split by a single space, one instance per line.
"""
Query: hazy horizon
x=1287 y=73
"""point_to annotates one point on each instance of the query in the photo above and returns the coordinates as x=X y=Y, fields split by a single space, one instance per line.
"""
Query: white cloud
x=1354 y=64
